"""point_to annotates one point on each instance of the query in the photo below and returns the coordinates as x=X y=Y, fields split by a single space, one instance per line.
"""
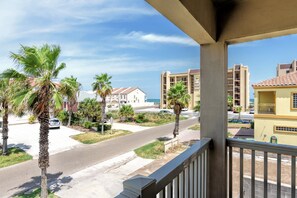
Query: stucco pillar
x=213 y=63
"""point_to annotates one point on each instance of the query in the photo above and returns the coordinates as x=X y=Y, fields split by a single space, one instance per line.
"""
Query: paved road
x=26 y=175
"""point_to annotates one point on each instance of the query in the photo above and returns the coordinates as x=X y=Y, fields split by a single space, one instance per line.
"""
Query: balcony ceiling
x=233 y=21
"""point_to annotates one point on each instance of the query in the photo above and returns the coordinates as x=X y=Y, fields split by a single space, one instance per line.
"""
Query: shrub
x=63 y=117
x=87 y=124
x=140 y=118
x=113 y=114
x=106 y=127
x=252 y=125
x=31 y=119
x=126 y=112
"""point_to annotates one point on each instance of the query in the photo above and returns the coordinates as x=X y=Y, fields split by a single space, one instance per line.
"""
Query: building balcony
x=188 y=174
x=266 y=108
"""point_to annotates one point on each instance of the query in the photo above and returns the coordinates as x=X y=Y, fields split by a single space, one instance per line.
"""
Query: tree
x=178 y=97
x=70 y=89
x=88 y=109
x=230 y=102
x=197 y=107
x=126 y=111
x=37 y=69
x=103 y=88
x=238 y=109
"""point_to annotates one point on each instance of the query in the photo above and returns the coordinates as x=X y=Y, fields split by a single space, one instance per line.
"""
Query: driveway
x=26 y=136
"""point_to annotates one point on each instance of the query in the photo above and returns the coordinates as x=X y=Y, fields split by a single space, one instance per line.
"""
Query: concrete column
x=213 y=62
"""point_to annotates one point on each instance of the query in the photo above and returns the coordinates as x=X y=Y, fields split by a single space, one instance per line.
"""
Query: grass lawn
x=94 y=137
x=151 y=151
x=195 y=127
x=155 y=119
x=15 y=156
x=35 y=194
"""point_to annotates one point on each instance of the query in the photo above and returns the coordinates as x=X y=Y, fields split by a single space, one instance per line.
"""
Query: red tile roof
x=280 y=81
x=123 y=90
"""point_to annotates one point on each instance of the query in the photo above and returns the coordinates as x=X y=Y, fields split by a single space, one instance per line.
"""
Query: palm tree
x=178 y=97
x=126 y=111
x=197 y=107
x=103 y=88
x=37 y=68
x=230 y=102
x=4 y=104
x=70 y=89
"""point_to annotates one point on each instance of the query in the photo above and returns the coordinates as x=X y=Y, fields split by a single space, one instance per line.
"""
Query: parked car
x=239 y=121
x=252 y=111
x=165 y=111
x=54 y=123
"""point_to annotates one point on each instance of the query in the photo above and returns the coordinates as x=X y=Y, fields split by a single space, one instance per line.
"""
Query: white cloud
x=156 y=38
x=25 y=18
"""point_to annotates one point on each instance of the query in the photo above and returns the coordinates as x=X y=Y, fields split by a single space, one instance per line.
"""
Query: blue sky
x=126 y=39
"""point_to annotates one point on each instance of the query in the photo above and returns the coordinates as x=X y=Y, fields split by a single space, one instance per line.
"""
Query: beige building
x=276 y=109
x=238 y=85
x=192 y=81
x=283 y=69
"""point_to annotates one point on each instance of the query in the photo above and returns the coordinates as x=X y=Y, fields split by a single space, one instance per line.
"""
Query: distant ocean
x=156 y=101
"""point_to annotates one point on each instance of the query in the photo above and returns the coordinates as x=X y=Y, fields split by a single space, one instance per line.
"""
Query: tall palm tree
x=70 y=89
x=103 y=88
x=5 y=98
x=178 y=97
x=37 y=68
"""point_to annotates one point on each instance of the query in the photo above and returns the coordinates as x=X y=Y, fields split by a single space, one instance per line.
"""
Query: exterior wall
x=283 y=116
x=136 y=96
x=192 y=82
x=283 y=71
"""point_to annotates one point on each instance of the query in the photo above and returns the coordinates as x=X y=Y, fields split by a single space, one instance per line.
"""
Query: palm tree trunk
x=176 y=128
x=43 y=160
x=69 y=118
x=103 y=114
x=5 y=130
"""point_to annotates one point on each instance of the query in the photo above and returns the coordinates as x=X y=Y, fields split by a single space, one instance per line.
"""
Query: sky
x=128 y=39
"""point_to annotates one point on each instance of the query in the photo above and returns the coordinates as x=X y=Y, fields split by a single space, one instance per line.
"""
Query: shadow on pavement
x=54 y=182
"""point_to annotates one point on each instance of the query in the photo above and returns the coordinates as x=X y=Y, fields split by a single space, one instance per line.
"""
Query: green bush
x=63 y=117
x=252 y=125
x=140 y=118
x=31 y=119
x=106 y=127
x=87 y=124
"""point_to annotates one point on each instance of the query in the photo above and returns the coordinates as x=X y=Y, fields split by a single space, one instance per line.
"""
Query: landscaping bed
x=94 y=137
x=35 y=194
x=15 y=156
x=195 y=127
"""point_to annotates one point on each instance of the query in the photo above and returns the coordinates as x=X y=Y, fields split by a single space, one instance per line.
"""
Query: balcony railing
x=265 y=150
x=184 y=176
x=187 y=174
x=266 y=108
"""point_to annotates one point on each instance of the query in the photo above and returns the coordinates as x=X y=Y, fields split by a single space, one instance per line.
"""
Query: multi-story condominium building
x=130 y=95
x=191 y=79
x=276 y=109
x=283 y=69
x=238 y=85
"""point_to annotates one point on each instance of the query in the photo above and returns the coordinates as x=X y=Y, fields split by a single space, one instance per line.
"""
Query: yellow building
x=191 y=79
x=276 y=109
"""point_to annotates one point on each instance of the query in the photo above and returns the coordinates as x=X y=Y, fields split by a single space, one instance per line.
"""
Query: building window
x=284 y=129
x=294 y=100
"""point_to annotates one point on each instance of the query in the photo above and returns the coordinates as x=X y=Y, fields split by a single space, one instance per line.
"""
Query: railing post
x=213 y=63
x=138 y=187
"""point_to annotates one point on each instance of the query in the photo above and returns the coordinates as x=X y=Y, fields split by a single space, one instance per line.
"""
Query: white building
x=130 y=95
